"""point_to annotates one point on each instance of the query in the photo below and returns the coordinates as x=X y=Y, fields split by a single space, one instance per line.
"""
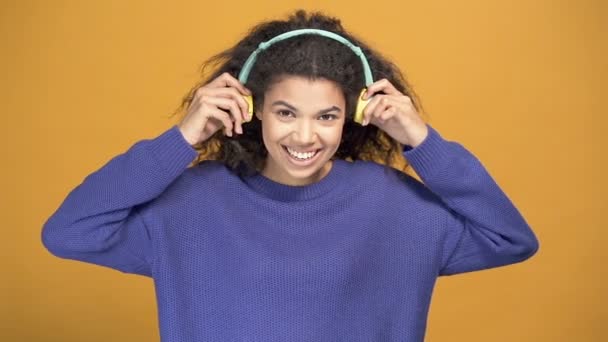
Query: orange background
x=519 y=83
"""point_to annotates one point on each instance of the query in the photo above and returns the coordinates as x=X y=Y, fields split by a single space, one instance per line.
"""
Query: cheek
x=266 y=139
x=272 y=132
x=333 y=135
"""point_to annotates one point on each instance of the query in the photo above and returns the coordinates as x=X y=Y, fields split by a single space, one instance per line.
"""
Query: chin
x=306 y=173
x=293 y=171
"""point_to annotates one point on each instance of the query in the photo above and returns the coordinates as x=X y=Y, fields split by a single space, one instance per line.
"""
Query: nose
x=304 y=133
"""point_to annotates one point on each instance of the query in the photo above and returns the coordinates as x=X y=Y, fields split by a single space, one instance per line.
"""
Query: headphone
x=361 y=103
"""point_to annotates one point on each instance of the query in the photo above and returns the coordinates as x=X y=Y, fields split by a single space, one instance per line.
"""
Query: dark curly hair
x=313 y=57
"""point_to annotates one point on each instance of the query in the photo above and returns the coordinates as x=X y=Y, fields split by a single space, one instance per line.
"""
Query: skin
x=394 y=113
x=305 y=116
x=220 y=104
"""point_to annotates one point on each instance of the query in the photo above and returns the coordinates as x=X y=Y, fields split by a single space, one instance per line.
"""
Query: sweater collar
x=291 y=193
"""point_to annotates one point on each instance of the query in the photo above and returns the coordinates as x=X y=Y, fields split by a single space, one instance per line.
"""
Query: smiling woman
x=310 y=58
x=293 y=232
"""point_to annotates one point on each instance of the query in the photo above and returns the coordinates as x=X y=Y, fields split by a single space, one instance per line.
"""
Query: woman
x=292 y=225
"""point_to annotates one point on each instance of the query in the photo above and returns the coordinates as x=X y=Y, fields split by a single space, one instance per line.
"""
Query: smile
x=301 y=155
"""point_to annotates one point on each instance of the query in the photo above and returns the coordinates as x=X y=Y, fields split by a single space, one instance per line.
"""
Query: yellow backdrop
x=519 y=83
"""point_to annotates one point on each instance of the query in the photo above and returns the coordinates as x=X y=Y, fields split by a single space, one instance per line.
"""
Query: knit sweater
x=352 y=257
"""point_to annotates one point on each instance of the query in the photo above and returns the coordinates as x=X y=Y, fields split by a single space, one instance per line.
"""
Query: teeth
x=301 y=155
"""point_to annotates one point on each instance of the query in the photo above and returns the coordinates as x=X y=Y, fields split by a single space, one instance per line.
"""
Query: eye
x=327 y=117
x=284 y=113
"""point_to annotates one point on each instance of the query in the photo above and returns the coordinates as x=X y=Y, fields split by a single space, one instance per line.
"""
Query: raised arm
x=99 y=222
x=484 y=229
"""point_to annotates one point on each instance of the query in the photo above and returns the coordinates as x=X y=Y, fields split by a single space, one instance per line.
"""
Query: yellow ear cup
x=361 y=103
x=249 y=100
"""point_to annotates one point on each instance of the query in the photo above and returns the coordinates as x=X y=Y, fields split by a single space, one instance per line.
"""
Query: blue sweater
x=353 y=257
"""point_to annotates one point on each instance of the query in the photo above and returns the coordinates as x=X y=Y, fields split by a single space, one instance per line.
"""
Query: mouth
x=301 y=158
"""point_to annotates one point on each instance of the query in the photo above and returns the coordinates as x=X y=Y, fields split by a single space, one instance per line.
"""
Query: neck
x=334 y=182
x=269 y=173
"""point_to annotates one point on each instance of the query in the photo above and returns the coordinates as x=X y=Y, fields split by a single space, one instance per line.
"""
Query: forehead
x=303 y=90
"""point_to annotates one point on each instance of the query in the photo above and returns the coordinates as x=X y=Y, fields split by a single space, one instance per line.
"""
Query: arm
x=99 y=221
x=484 y=229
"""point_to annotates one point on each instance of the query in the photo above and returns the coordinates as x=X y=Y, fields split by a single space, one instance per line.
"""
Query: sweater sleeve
x=484 y=229
x=100 y=222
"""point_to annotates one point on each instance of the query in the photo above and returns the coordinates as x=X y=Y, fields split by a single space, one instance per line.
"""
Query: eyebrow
x=332 y=108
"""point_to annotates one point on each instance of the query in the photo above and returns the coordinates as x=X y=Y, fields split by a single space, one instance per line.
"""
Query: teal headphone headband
x=244 y=74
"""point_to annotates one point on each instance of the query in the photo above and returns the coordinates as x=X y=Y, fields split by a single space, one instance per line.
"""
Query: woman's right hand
x=217 y=104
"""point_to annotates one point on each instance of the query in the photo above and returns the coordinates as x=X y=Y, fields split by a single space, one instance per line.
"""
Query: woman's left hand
x=394 y=113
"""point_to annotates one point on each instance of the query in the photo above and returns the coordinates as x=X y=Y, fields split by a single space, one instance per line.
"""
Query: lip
x=301 y=162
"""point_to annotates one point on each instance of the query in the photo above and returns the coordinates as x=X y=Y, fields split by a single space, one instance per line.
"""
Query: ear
x=258 y=115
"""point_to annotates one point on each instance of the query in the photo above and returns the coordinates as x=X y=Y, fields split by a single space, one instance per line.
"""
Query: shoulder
x=205 y=176
x=212 y=173
x=389 y=179
x=207 y=168
x=371 y=171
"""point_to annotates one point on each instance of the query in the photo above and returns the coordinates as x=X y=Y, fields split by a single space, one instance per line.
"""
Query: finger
x=369 y=109
x=222 y=116
x=378 y=100
x=232 y=93
x=380 y=110
x=236 y=117
x=376 y=116
x=388 y=113
x=227 y=80
x=220 y=81
x=230 y=105
x=382 y=85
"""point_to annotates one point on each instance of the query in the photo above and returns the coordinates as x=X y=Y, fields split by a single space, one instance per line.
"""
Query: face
x=302 y=124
